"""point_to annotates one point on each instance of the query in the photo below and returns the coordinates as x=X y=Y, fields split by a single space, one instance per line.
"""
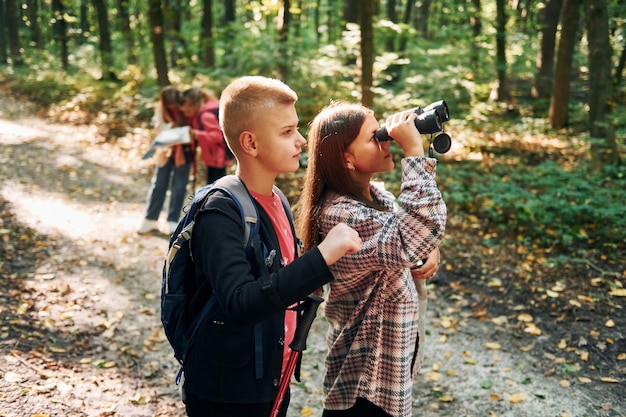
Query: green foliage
x=546 y=205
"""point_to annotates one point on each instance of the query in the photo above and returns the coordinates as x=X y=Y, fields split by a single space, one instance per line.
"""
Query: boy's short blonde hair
x=247 y=99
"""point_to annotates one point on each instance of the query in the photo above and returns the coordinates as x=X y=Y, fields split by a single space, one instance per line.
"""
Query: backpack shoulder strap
x=237 y=190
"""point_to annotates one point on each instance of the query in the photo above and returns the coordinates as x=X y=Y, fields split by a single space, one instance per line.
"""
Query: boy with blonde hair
x=227 y=372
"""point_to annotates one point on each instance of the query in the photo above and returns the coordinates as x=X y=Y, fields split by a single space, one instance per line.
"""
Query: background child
x=199 y=107
x=172 y=164
x=372 y=306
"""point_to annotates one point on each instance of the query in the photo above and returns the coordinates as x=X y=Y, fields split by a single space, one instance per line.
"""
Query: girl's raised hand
x=401 y=127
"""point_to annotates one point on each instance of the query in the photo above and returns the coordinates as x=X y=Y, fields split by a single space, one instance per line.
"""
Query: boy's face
x=279 y=143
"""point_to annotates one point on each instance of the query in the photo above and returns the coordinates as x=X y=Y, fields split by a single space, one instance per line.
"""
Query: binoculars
x=429 y=120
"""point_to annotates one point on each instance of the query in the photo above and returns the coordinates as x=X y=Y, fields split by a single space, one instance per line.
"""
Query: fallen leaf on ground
x=433 y=376
x=518 y=398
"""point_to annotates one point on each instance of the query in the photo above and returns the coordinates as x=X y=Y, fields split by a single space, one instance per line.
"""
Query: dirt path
x=80 y=332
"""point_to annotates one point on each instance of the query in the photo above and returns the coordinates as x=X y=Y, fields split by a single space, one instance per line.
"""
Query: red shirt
x=274 y=208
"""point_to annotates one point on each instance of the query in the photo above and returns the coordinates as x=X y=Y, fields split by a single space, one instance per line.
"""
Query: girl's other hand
x=429 y=268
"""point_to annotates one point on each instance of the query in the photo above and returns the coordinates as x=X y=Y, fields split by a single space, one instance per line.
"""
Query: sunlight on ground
x=49 y=210
x=11 y=133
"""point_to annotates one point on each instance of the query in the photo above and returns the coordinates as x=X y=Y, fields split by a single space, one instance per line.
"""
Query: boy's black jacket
x=220 y=363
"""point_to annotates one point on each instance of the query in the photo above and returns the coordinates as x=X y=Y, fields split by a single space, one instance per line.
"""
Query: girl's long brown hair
x=168 y=96
x=330 y=134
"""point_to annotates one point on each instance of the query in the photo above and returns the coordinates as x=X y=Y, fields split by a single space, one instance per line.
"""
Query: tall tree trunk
x=600 y=85
x=406 y=19
x=334 y=22
x=558 y=114
x=367 y=52
x=84 y=21
x=503 y=92
x=316 y=21
x=284 y=21
x=297 y=19
x=106 y=49
x=3 y=34
x=423 y=18
x=351 y=11
x=127 y=33
x=12 y=17
x=173 y=18
x=230 y=34
x=617 y=78
x=155 y=17
x=207 y=51
x=477 y=29
x=545 y=58
x=36 y=36
x=392 y=16
x=229 y=12
x=60 y=31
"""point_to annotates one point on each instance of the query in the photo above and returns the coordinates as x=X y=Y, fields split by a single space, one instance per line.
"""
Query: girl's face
x=190 y=109
x=366 y=156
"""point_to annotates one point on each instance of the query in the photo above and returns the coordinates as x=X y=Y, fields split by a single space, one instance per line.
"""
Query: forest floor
x=509 y=333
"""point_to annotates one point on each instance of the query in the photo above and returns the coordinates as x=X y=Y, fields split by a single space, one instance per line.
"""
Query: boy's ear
x=247 y=141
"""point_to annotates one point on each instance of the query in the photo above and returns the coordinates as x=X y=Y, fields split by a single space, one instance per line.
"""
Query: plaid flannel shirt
x=372 y=307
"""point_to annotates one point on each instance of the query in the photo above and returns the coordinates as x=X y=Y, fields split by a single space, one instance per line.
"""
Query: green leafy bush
x=545 y=205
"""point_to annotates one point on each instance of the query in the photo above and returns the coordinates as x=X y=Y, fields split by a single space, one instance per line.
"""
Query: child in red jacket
x=200 y=107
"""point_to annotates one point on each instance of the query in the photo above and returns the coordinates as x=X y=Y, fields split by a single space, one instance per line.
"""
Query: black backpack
x=178 y=284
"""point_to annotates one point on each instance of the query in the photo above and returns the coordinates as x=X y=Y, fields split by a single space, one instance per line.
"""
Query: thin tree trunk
x=84 y=21
x=476 y=24
x=36 y=36
x=127 y=33
x=367 y=52
x=106 y=49
x=545 y=58
x=559 y=101
x=207 y=51
x=406 y=19
x=423 y=18
x=155 y=17
x=12 y=17
x=392 y=16
x=284 y=21
x=351 y=11
x=617 y=79
x=600 y=86
x=3 y=34
x=60 y=31
x=503 y=91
